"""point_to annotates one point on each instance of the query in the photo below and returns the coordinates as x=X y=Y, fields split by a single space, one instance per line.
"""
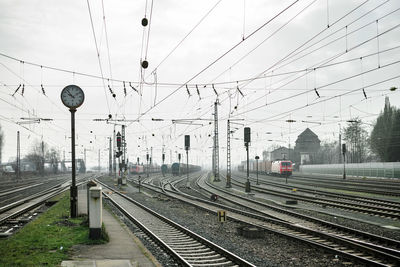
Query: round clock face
x=72 y=96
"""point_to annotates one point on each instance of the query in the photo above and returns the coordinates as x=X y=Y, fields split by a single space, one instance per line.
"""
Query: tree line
x=382 y=144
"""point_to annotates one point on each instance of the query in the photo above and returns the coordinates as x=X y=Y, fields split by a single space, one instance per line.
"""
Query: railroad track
x=381 y=243
x=388 y=189
x=347 y=197
x=376 y=209
x=338 y=243
x=15 y=215
x=186 y=247
x=394 y=182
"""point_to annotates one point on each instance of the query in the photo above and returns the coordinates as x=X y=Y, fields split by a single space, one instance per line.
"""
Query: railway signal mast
x=118 y=154
x=246 y=144
x=187 y=147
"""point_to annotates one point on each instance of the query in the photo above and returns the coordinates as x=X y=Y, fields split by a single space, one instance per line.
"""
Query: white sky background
x=59 y=34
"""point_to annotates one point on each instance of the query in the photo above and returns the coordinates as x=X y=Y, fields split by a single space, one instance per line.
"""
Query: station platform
x=124 y=248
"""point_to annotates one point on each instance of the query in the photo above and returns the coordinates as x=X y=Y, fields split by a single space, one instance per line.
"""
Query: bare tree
x=357 y=142
x=327 y=153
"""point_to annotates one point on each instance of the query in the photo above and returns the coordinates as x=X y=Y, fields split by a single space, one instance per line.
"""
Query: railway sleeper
x=176 y=238
x=197 y=251
x=177 y=243
x=180 y=239
x=194 y=257
x=226 y=263
x=210 y=261
x=183 y=247
x=189 y=253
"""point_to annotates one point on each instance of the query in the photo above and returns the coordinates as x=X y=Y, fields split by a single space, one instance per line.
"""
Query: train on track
x=135 y=168
x=141 y=169
x=181 y=168
x=175 y=168
x=40 y=167
x=276 y=167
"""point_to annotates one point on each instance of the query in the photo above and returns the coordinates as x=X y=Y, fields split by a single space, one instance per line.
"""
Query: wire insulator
x=133 y=88
x=365 y=95
x=237 y=87
x=109 y=88
x=198 y=92
x=23 y=89
x=315 y=89
x=215 y=91
x=187 y=90
x=44 y=93
x=111 y=91
x=19 y=86
x=124 y=88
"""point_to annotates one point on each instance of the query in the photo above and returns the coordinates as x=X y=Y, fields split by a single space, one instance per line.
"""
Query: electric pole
x=18 y=158
x=228 y=156
x=216 y=145
x=109 y=158
x=98 y=161
x=42 y=158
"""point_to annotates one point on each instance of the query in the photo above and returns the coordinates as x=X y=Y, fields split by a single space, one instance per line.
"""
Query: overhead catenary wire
x=220 y=57
x=328 y=98
x=107 y=43
x=98 y=56
x=340 y=54
x=295 y=51
x=322 y=86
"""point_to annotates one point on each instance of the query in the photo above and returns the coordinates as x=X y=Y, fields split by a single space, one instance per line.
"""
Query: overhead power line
x=220 y=57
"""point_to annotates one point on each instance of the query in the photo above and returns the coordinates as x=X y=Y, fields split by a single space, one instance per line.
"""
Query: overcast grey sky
x=279 y=54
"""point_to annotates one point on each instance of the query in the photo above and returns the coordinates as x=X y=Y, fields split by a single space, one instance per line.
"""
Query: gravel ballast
x=269 y=250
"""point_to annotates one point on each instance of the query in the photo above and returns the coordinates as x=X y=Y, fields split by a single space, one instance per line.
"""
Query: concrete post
x=90 y=184
x=95 y=214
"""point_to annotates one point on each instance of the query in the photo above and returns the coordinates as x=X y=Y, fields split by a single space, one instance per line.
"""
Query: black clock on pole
x=72 y=96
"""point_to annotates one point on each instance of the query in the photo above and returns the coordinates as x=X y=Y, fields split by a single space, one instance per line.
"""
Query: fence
x=369 y=169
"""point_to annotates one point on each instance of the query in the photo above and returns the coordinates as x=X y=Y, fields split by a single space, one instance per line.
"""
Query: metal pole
x=109 y=158
x=228 y=156
x=18 y=158
x=187 y=167
x=216 y=143
x=344 y=165
x=84 y=156
x=147 y=165
x=114 y=157
x=73 y=190
x=257 y=171
x=247 y=188
x=42 y=158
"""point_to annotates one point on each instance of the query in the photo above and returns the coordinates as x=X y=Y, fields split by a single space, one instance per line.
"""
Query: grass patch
x=47 y=240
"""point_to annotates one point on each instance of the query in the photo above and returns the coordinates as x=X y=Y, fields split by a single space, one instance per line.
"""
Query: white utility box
x=95 y=212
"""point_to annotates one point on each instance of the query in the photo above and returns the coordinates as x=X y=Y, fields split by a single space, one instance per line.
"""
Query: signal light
x=119 y=140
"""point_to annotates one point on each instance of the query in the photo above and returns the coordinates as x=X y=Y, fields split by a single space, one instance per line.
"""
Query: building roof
x=308 y=135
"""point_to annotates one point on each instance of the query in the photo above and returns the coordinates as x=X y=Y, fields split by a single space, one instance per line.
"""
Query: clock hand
x=70 y=94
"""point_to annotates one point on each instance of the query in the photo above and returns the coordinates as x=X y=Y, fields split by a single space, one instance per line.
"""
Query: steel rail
x=309 y=235
x=381 y=211
x=177 y=255
x=328 y=225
